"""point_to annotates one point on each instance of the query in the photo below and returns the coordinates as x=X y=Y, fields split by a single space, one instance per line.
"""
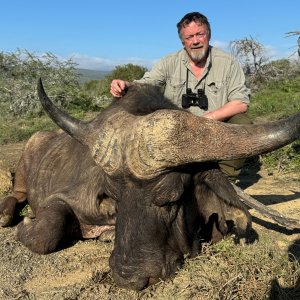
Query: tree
x=100 y=89
x=19 y=72
x=257 y=65
x=251 y=54
x=127 y=72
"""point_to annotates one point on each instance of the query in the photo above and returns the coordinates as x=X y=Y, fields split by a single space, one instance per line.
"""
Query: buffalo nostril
x=133 y=282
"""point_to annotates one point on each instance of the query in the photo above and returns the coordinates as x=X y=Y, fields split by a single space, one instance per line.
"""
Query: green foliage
x=281 y=64
x=276 y=100
x=127 y=72
x=19 y=73
x=20 y=129
x=99 y=90
x=85 y=102
x=21 y=113
x=283 y=159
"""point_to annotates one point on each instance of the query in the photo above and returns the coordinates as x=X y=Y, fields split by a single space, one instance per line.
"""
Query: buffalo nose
x=136 y=284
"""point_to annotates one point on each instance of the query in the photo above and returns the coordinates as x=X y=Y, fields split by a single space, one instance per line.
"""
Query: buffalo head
x=159 y=164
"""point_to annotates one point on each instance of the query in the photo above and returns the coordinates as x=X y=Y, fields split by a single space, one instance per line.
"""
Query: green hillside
x=87 y=75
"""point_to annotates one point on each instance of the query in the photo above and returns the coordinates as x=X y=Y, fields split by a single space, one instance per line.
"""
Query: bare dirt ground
x=81 y=270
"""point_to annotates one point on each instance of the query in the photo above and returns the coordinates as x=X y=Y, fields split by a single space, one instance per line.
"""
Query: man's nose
x=196 y=39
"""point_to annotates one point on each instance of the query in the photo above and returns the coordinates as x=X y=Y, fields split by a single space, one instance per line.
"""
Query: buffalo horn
x=152 y=144
x=170 y=138
x=72 y=126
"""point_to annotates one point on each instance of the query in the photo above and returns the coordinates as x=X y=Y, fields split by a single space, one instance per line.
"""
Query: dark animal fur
x=158 y=220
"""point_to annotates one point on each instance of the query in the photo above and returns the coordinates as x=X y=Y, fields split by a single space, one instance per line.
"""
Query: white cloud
x=221 y=45
x=270 y=51
x=274 y=54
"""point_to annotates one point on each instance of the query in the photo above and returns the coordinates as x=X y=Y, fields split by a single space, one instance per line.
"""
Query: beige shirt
x=223 y=79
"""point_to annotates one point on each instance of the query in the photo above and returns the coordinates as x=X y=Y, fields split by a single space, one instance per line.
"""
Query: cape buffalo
x=144 y=166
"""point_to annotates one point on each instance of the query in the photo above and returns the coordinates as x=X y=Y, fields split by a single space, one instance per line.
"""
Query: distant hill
x=87 y=75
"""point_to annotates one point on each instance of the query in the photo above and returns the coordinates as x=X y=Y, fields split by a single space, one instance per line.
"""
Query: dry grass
x=228 y=271
x=225 y=271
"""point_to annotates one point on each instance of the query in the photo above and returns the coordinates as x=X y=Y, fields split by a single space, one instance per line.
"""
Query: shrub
x=19 y=75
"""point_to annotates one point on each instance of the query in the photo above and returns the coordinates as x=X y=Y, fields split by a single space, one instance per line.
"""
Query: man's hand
x=118 y=87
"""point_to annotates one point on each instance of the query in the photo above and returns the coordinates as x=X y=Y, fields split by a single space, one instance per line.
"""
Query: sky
x=100 y=35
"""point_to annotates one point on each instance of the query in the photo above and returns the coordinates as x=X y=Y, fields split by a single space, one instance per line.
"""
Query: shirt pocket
x=174 y=90
x=217 y=94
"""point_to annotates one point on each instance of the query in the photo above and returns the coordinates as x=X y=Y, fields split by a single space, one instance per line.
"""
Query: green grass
x=276 y=100
x=17 y=129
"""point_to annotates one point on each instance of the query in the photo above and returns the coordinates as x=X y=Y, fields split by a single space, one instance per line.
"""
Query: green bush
x=276 y=100
x=100 y=89
x=283 y=159
x=19 y=73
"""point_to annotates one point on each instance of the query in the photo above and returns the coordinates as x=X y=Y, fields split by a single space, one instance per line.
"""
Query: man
x=202 y=79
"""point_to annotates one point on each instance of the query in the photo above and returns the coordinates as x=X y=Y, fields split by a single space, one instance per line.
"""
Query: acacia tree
x=257 y=65
x=251 y=54
x=19 y=72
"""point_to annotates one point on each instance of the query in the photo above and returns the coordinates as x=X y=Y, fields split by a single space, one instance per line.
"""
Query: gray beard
x=196 y=55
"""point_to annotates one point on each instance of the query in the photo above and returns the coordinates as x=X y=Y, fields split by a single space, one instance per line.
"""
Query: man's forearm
x=227 y=111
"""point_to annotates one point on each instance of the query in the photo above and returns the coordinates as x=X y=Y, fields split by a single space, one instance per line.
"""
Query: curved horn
x=151 y=144
x=100 y=136
x=166 y=139
x=75 y=128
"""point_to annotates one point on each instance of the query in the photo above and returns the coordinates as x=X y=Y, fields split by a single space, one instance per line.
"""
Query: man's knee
x=232 y=168
x=241 y=118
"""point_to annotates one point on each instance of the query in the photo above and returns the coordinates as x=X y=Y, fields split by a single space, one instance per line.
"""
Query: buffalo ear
x=220 y=185
x=170 y=188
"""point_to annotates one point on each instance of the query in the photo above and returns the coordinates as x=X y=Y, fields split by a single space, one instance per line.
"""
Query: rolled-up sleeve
x=237 y=89
x=157 y=75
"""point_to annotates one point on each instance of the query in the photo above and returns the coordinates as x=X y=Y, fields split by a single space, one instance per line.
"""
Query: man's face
x=195 y=39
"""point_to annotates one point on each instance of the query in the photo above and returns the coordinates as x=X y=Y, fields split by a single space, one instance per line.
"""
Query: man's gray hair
x=192 y=17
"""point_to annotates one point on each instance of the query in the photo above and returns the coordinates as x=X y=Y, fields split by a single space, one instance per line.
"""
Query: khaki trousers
x=232 y=168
